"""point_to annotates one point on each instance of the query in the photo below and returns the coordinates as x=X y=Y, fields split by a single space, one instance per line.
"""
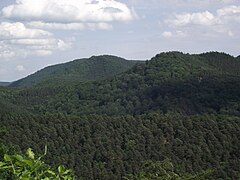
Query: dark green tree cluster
x=104 y=147
x=224 y=63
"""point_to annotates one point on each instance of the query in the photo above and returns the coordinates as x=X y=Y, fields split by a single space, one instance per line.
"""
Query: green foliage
x=30 y=168
x=164 y=170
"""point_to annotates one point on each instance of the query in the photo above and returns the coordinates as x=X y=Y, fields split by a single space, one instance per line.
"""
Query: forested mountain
x=169 y=82
x=176 y=106
x=4 y=83
x=80 y=70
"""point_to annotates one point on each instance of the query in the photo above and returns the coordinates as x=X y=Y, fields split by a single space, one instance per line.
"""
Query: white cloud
x=7 y=54
x=70 y=26
x=22 y=48
x=20 y=68
x=19 y=30
x=167 y=34
x=25 y=32
x=224 y=20
x=202 y=18
x=11 y=51
x=16 y=40
x=229 y=10
x=68 y=11
x=44 y=44
x=224 y=15
x=229 y=14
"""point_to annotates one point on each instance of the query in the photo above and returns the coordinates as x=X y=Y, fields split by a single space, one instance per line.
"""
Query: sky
x=38 y=33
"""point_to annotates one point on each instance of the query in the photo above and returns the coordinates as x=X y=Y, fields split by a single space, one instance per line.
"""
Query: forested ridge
x=79 y=70
x=169 y=82
x=176 y=106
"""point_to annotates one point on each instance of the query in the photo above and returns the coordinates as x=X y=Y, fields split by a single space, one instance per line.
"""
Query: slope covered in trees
x=104 y=147
x=176 y=106
x=94 y=68
x=169 y=82
x=5 y=105
x=224 y=63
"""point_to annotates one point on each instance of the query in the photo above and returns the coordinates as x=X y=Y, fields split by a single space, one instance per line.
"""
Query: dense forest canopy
x=105 y=123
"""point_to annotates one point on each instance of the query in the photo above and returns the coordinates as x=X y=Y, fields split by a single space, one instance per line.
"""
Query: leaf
x=2 y=164
x=45 y=150
x=28 y=162
x=26 y=174
x=61 y=169
x=67 y=171
x=24 y=178
x=6 y=167
x=51 y=172
x=19 y=157
x=30 y=153
x=7 y=158
x=46 y=178
x=45 y=153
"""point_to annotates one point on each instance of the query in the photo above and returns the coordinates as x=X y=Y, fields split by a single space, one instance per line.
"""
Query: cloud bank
x=223 y=20
x=17 y=40
x=68 y=11
x=229 y=13
x=25 y=31
x=19 y=30
x=70 y=26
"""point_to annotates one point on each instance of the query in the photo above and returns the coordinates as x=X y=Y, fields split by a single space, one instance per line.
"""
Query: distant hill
x=80 y=70
x=4 y=83
x=169 y=82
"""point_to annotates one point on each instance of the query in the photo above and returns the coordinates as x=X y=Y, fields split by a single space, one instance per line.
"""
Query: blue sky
x=38 y=33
